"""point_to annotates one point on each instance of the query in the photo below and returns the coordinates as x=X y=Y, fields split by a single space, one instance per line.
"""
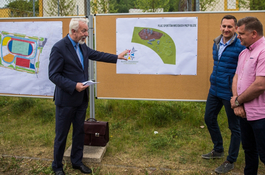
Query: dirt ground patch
x=118 y=165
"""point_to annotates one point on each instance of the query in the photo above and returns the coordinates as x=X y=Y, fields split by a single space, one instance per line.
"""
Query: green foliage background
x=21 y=8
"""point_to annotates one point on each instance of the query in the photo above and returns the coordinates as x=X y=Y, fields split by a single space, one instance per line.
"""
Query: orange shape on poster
x=9 y=58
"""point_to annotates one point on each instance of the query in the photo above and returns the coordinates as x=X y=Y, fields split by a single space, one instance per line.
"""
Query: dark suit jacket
x=65 y=70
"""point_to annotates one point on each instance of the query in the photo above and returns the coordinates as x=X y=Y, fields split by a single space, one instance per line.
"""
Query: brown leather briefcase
x=96 y=132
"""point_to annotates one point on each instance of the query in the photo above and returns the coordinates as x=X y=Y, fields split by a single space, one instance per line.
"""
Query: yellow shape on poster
x=5 y=40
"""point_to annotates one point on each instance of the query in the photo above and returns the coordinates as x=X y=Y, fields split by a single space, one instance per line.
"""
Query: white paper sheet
x=157 y=45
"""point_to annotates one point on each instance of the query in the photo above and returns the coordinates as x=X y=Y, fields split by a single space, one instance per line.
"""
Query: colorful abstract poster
x=157 y=45
x=24 y=57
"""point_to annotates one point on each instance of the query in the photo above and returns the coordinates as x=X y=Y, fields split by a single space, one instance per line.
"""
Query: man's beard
x=81 y=40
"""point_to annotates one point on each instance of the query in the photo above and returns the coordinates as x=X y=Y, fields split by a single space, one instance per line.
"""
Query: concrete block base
x=92 y=154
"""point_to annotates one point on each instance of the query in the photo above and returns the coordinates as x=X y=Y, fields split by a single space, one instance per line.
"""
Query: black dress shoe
x=84 y=169
x=59 y=172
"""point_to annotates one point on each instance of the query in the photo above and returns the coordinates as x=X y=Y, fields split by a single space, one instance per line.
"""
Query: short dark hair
x=251 y=23
x=229 y=17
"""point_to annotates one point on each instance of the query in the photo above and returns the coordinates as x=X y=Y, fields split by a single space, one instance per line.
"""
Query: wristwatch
x=236 y=102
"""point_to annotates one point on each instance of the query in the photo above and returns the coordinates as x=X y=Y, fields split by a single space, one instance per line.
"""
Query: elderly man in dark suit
x=68 y=68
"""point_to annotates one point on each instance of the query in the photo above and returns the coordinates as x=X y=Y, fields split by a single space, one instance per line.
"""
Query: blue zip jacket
x=224 y=68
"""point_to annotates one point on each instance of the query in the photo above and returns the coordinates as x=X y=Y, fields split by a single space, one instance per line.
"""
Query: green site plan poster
x=157 y=45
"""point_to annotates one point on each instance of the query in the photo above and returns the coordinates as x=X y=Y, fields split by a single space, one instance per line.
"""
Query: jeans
x=213 y=106
x=253 y=142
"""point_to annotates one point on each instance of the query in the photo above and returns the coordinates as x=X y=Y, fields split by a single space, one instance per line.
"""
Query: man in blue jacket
x=226 y=49
x=68 y=68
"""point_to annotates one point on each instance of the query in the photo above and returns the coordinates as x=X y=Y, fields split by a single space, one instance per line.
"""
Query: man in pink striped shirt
x=248 y=100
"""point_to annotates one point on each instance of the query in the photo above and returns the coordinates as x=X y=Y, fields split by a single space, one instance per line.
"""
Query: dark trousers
x=64 y=117
x=253 y=142
x=213 y=107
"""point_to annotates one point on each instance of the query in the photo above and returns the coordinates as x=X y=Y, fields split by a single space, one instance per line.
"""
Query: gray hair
x=74 y=23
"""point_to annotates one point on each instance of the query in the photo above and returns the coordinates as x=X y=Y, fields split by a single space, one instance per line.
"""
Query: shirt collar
x=222 y=43
x=252 y=46
x=73 y=42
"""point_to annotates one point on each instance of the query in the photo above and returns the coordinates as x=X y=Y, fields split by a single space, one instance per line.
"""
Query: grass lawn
x=27 y=133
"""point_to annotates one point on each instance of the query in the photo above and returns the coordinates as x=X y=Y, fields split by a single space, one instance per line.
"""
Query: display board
x=159 y=87
x=25 y=49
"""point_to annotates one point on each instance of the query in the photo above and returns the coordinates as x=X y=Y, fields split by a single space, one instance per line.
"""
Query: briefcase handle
x=92 y=119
